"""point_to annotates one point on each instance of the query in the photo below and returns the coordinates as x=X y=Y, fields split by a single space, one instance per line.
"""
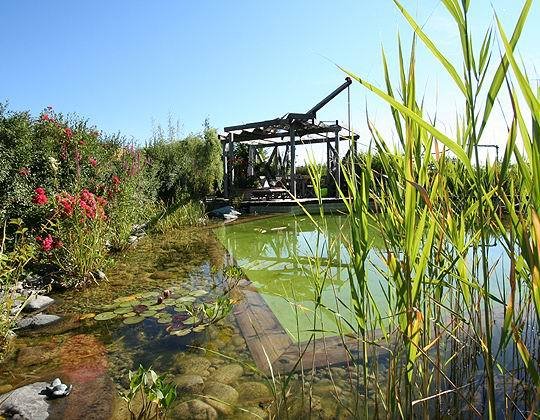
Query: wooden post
x=225 y=169
x=231 y=163
x=292 y=185
x=251 y=161
x=338 y=161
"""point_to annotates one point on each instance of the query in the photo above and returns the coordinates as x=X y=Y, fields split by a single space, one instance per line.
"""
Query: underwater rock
x=38 y=303
x=251 y=413
x=194 y=410
x=161 y=275
x=26 y=402
x=253 y=393
x=36 y=321
x=220 y=396
x=187 y=383
x=228 y=373
x=193 y=365
x=29 y=356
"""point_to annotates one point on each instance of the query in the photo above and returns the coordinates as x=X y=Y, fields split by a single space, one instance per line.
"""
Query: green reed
x=440 y=327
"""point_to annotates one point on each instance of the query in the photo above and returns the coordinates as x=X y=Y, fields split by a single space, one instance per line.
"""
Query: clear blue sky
x=124 y=63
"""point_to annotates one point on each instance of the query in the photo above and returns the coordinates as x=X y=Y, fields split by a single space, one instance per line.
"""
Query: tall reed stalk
x=447 y=349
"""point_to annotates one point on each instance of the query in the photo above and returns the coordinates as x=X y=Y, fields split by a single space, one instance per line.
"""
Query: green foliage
x=149 y=395
x=12 y=265
x=176 y=216
x=190 y=167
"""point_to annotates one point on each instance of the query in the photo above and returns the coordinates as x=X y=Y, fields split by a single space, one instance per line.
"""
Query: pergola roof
x=273 y=132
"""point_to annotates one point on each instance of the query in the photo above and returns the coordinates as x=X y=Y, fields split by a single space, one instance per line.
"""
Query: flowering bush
x=73 y=237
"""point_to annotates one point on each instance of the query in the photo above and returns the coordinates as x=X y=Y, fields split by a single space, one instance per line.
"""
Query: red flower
x=47 y=243
x=40 y=198
x=24 y=171
x=92 y=161
x=66 y=203
x=68 y=132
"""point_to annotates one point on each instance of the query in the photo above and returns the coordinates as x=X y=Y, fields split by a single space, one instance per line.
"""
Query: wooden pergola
x=287 y=132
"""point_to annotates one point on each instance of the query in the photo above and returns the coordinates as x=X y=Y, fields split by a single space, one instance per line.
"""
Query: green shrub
x=185 y=168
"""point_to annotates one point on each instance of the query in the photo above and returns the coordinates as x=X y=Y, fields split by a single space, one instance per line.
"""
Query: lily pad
x=129 y=303
x=185 y=299
x=158 y=307
x=133 y=320
x=164 y=320
x=122 y=310
x=149 y=313
x=129 y=315
x=87 y=316
x=105 y=316
x=124 y=299
x=140 y=308
x=150 y=295
x=198 y=293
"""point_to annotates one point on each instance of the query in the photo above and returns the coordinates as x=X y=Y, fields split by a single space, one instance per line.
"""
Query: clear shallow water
x=95 y=356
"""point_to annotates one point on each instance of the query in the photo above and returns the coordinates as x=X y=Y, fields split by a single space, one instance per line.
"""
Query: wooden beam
x=259 y=124
x=292 y=185
x=300 y=132
x=225 y=170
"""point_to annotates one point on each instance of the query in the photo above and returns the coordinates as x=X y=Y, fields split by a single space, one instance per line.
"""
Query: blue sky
x=126 y=63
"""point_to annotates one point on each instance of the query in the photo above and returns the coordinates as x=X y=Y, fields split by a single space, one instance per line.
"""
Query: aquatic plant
x=176 y=308
x=446 y=353
x=149 y=396
x=180 y=215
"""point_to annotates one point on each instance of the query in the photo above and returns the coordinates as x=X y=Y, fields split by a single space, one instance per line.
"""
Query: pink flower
x=40 y=198
x=68 y=132
x=46 y=243
x=92 y=161
x=115 y=180
x=66 y=203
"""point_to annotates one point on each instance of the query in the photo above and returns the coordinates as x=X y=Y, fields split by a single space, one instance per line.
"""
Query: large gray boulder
x=27 y=402
x=39 y=320
x=226 y=212
x=37 y=303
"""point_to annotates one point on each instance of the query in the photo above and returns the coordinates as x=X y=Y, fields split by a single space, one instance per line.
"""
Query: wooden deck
x=271 y=346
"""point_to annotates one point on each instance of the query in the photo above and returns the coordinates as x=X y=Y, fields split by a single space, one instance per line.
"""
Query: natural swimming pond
x=277 y=256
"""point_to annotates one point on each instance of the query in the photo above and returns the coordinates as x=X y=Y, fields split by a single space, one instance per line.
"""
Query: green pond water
x=277 y=255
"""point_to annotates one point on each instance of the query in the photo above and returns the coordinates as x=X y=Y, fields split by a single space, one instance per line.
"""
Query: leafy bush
x=186 y=168
x=54 y=162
